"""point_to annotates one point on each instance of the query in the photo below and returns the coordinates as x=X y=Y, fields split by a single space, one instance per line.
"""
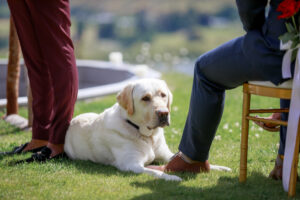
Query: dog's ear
x=125 y=99
x=170 y=99
x=170 y=96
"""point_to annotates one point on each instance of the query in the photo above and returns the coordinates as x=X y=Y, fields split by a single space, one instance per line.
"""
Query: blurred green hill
x=153 y=32
x=156 y=7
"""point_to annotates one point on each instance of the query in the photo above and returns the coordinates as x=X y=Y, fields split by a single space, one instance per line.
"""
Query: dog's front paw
x=220 y=168
x=171 y=177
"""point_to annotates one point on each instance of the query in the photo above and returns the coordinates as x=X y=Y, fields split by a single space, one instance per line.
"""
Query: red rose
x=288 y=8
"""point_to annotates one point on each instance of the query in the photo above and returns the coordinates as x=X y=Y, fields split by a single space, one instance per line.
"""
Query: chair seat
x=287 y=84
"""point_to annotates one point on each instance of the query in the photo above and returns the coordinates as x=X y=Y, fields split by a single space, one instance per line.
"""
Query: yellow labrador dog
x=129 y=135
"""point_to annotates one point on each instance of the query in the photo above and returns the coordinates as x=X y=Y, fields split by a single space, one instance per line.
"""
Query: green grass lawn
x=66 y=179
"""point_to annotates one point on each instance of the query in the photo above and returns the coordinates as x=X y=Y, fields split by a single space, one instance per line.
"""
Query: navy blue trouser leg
x=223 y=68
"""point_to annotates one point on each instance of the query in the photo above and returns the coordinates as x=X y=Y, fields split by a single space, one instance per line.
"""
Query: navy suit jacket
x=261 y=44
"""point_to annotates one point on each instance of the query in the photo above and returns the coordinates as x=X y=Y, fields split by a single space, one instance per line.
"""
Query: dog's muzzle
x=163 y=116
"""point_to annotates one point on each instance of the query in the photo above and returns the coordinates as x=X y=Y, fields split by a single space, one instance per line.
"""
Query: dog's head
x=148 y=104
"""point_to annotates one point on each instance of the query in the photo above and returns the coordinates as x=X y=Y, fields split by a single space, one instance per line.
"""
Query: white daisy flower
x=225 y=126
x=218 y=137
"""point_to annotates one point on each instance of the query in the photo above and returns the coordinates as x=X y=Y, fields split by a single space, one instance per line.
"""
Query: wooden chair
x=266 y=89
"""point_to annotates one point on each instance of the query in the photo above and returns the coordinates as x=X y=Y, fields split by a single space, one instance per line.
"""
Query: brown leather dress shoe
x=276 y=173
x=179 y=163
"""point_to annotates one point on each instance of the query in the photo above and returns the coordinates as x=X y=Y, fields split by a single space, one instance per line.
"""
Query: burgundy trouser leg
x=44 y=31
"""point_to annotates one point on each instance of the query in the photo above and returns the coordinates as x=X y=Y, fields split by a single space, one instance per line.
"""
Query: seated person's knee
x=200 y=67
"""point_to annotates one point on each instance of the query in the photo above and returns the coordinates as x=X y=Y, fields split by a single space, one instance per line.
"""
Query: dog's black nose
x=162 y=113
x=163 y=116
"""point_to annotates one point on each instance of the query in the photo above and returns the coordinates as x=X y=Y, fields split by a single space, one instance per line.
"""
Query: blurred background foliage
x=160 y=33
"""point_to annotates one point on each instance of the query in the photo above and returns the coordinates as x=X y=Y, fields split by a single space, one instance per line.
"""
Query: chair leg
x=293 y=175
x=244 y=137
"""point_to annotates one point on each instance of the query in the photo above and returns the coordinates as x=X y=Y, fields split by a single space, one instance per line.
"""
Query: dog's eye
x=146 y=98
x=163 y=94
